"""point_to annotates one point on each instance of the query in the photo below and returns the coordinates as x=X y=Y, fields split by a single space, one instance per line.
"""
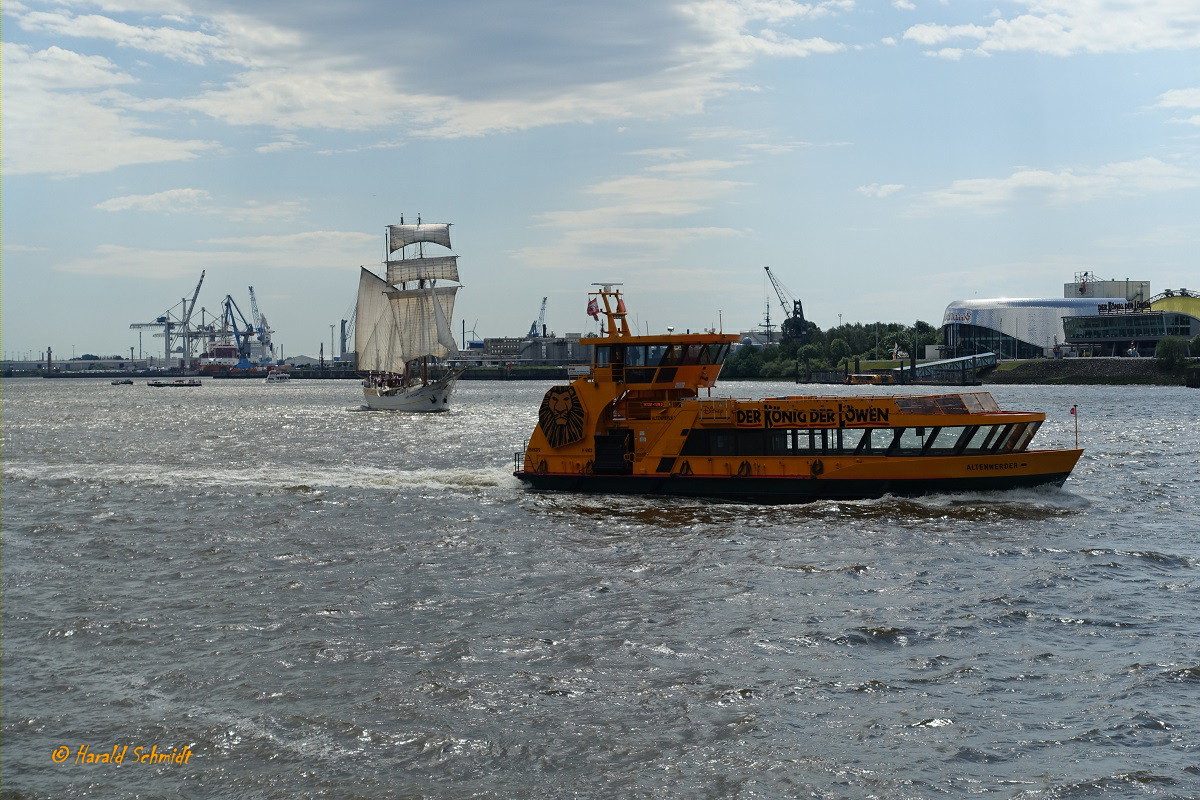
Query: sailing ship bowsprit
x=402 y=322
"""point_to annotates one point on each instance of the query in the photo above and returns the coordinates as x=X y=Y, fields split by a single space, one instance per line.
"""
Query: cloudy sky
x=884 y=158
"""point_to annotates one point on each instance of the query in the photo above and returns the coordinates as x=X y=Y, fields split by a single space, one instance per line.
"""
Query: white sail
x=445 y=336
x=376 y=340
x=420 y=315
x=403 y=235
x=415 y=269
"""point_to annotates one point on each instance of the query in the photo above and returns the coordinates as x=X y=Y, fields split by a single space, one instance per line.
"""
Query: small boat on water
x=635 y=423
x=176 y=382
x=401 y=328
x=122 y=382
x=277 y=376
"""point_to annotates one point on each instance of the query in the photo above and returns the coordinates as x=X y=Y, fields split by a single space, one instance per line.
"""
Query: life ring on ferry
x=541 y=468
x=685 y=468
x=744 y=469
x=817 y=468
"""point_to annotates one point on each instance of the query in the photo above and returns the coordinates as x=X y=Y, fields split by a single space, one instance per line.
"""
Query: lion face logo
x=561 y=416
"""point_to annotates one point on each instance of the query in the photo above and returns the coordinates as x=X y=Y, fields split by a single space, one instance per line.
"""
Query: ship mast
x=614 y=309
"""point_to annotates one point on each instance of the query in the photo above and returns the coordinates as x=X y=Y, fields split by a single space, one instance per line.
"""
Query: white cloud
x=171 y=201
x=694 y=168
x=904 y=5
x=55 y=68
x=64 y=116
x=1179 y=98
x=285 y=142
x=948 y=53
x=193 y=47
x=259 y=213
x=1066 y=27
x=641 y=224
x=306 y=76
x=1128 y=178
x=299 y=68
x=305 y=250
x=880 y=189
x=198 y=201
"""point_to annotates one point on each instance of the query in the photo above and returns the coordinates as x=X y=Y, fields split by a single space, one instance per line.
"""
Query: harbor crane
x=188 y=310
x=175 y=327
x=793 y=328
x=538 y=328
x=262 y=329
x=242 y=334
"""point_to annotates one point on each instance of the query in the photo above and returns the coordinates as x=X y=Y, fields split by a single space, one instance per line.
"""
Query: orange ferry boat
x=635 y=423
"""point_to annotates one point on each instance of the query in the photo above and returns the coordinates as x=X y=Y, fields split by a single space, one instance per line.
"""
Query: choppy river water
x=297 y=598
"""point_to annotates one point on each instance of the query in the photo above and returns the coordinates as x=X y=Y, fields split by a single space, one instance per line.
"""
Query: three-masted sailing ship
x=402 y=322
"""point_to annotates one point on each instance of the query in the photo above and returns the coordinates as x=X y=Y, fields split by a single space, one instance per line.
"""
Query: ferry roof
x=706 y=337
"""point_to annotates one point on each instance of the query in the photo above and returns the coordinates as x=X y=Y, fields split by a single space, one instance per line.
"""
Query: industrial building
x=548 y=350
x=1093 y=317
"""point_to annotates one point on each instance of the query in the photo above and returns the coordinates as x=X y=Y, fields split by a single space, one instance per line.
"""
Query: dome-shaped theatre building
x=1094 y=317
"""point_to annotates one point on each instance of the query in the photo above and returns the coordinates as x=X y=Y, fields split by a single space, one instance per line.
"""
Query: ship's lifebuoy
x=685 y=469
x=744 y=469
x=817 y=468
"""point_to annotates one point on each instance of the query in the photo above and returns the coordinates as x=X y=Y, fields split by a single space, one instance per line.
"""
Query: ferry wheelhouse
x=634 y=422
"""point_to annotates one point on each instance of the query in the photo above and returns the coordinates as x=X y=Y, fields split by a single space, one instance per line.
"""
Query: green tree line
x=832 y=349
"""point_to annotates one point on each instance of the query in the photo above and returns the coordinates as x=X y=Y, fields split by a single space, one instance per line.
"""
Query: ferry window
x=618 y=355
x=917 y=405
x=1023 y=442
x=814 y=440
x=781 y=443
x=635 y=356
x=930 y=439
x=639 y=375
x=865 y=443
x=672 y=357
x=967 y=434
x=944 y=440
x=696 y=444
x=654 y=353
x=979 y=439
x=692 y=354
x=984 y=444
x=951 y=404
x=751 y=443
x=602 y=356
x=1010 y=441
x=721 y=443
x=908 y=441
x=997 y=441
x=716 y=353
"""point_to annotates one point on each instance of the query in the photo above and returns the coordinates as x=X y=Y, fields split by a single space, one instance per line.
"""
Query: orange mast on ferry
x=635 y=423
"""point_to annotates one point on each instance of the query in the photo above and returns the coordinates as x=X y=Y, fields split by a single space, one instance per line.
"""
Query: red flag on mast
x=593 y=308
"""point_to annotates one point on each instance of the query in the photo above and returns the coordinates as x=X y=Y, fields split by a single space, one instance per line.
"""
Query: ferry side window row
x=911 y=441
x=674 y=355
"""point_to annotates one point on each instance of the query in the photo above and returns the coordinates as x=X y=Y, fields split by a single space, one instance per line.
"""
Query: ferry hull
x=782 y=490
x=845 y=478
